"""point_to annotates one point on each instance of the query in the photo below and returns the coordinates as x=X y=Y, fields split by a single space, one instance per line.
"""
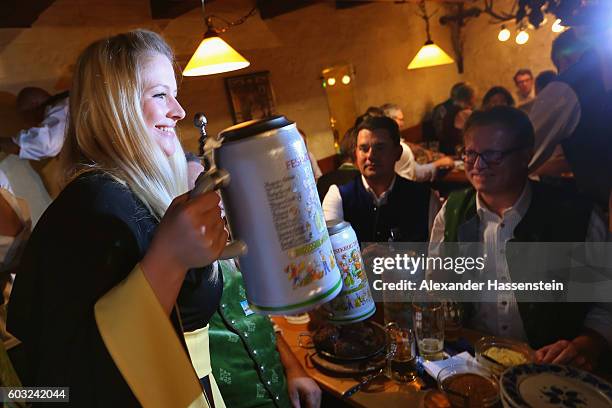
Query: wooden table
x=453 y=180
x=455 y=176
x=382 y=393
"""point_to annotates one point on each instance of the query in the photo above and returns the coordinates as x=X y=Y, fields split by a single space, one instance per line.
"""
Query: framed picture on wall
x=250 y=96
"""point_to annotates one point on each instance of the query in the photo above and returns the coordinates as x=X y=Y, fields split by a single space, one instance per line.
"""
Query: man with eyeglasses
x=523 y=79
x=379 y=204
x=503 y=205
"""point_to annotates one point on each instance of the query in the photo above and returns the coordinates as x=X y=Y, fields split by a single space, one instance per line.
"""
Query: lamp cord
x=426 y=17
x=229 y=24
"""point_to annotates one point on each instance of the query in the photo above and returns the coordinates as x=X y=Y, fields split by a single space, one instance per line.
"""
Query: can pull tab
x=211 y=179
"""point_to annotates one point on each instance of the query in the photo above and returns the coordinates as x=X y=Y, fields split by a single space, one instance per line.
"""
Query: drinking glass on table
x=453 y=317
x=428 y=320
x=401 y=354
x=434 y=145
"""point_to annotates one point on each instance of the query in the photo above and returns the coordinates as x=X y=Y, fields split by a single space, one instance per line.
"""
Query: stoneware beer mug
x=354 y=303
x=272 y=207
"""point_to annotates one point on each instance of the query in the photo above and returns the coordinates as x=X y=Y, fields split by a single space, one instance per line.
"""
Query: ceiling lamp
x=430 y=55
x=504 y=34
x=213 y=55
x=557 y=27
x=331 y=81
x=522 y=37
x=346 y=79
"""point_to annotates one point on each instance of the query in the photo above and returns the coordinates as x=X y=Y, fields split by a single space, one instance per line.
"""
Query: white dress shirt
x=555 y=113
x=503 y=318
x=408 y=168
x=332 y=202
x=46 y=139
x=522 y=100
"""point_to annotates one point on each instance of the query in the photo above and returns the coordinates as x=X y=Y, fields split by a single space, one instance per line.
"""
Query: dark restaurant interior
x=306 y=203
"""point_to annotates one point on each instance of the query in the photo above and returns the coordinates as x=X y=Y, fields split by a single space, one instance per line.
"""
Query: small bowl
x=498 y=364
x=468 y=385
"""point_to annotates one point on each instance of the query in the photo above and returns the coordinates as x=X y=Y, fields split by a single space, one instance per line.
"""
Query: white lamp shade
x=214 y=56
x=430 y=55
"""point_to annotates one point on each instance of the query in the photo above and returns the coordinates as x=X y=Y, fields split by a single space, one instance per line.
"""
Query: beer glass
x=401 y=354
x=428 y=320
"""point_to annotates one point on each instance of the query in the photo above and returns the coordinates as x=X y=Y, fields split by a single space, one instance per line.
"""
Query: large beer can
x=272 y=206
x=354 y=303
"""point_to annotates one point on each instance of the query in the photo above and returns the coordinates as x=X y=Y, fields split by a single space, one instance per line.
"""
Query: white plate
x=302 y=318
x=553 y=386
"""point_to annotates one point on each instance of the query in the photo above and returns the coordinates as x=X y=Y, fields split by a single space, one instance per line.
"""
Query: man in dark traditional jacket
x=379 y=204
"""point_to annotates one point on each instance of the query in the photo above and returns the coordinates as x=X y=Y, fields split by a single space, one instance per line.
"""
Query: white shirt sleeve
x=554 y=115
x=599 y=318
x=425 y=172
x=434 y=209
x=406 y=165
x=332 y=204
x=436 y=237
x=439 y=224
x=47 y=139
x=5 y=183
x=597 y=231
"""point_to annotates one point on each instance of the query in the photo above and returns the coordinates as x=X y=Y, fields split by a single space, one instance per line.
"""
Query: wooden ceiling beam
x=20 y=13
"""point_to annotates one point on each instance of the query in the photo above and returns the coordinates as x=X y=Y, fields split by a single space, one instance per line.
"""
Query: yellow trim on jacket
x=143 y=344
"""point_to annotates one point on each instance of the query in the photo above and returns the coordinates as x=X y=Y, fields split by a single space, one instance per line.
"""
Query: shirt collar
x=347 y=166
x=519 y=208
x=383 y=197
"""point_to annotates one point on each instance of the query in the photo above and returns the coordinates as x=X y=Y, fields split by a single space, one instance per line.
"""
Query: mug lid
x=253 y=127
x=335 y=226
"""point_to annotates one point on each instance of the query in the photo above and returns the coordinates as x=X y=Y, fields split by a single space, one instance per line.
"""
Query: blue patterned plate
x=554 y=386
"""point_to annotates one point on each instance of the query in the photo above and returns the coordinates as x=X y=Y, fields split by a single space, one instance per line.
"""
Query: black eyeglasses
x=490 y=157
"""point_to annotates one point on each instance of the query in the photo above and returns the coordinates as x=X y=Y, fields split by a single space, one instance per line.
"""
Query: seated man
x=504 y=205
x=253 y=366
x=448 y=117
x=379 y=204
x=47 y=116
x=407 y=166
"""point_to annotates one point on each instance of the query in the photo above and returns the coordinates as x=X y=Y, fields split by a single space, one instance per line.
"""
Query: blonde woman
x=94 y=302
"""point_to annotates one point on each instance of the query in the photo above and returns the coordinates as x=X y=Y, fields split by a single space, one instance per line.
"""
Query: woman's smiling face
x=160 y=108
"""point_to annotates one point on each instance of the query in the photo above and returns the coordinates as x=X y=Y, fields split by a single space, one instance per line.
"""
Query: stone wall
x=379 y=39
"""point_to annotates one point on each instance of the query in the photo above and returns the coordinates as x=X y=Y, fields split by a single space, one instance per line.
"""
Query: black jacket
x=89 y=239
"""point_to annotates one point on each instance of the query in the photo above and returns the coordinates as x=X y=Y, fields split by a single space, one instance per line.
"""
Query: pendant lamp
x=430 y=55
x=214 y=55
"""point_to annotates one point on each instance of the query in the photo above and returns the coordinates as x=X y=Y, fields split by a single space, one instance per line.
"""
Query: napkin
x=434 y=367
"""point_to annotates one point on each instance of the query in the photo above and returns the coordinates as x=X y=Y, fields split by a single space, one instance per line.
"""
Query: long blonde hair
x=106 y=128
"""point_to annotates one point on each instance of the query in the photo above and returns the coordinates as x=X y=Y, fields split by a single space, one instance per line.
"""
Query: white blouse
x=46 y=139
